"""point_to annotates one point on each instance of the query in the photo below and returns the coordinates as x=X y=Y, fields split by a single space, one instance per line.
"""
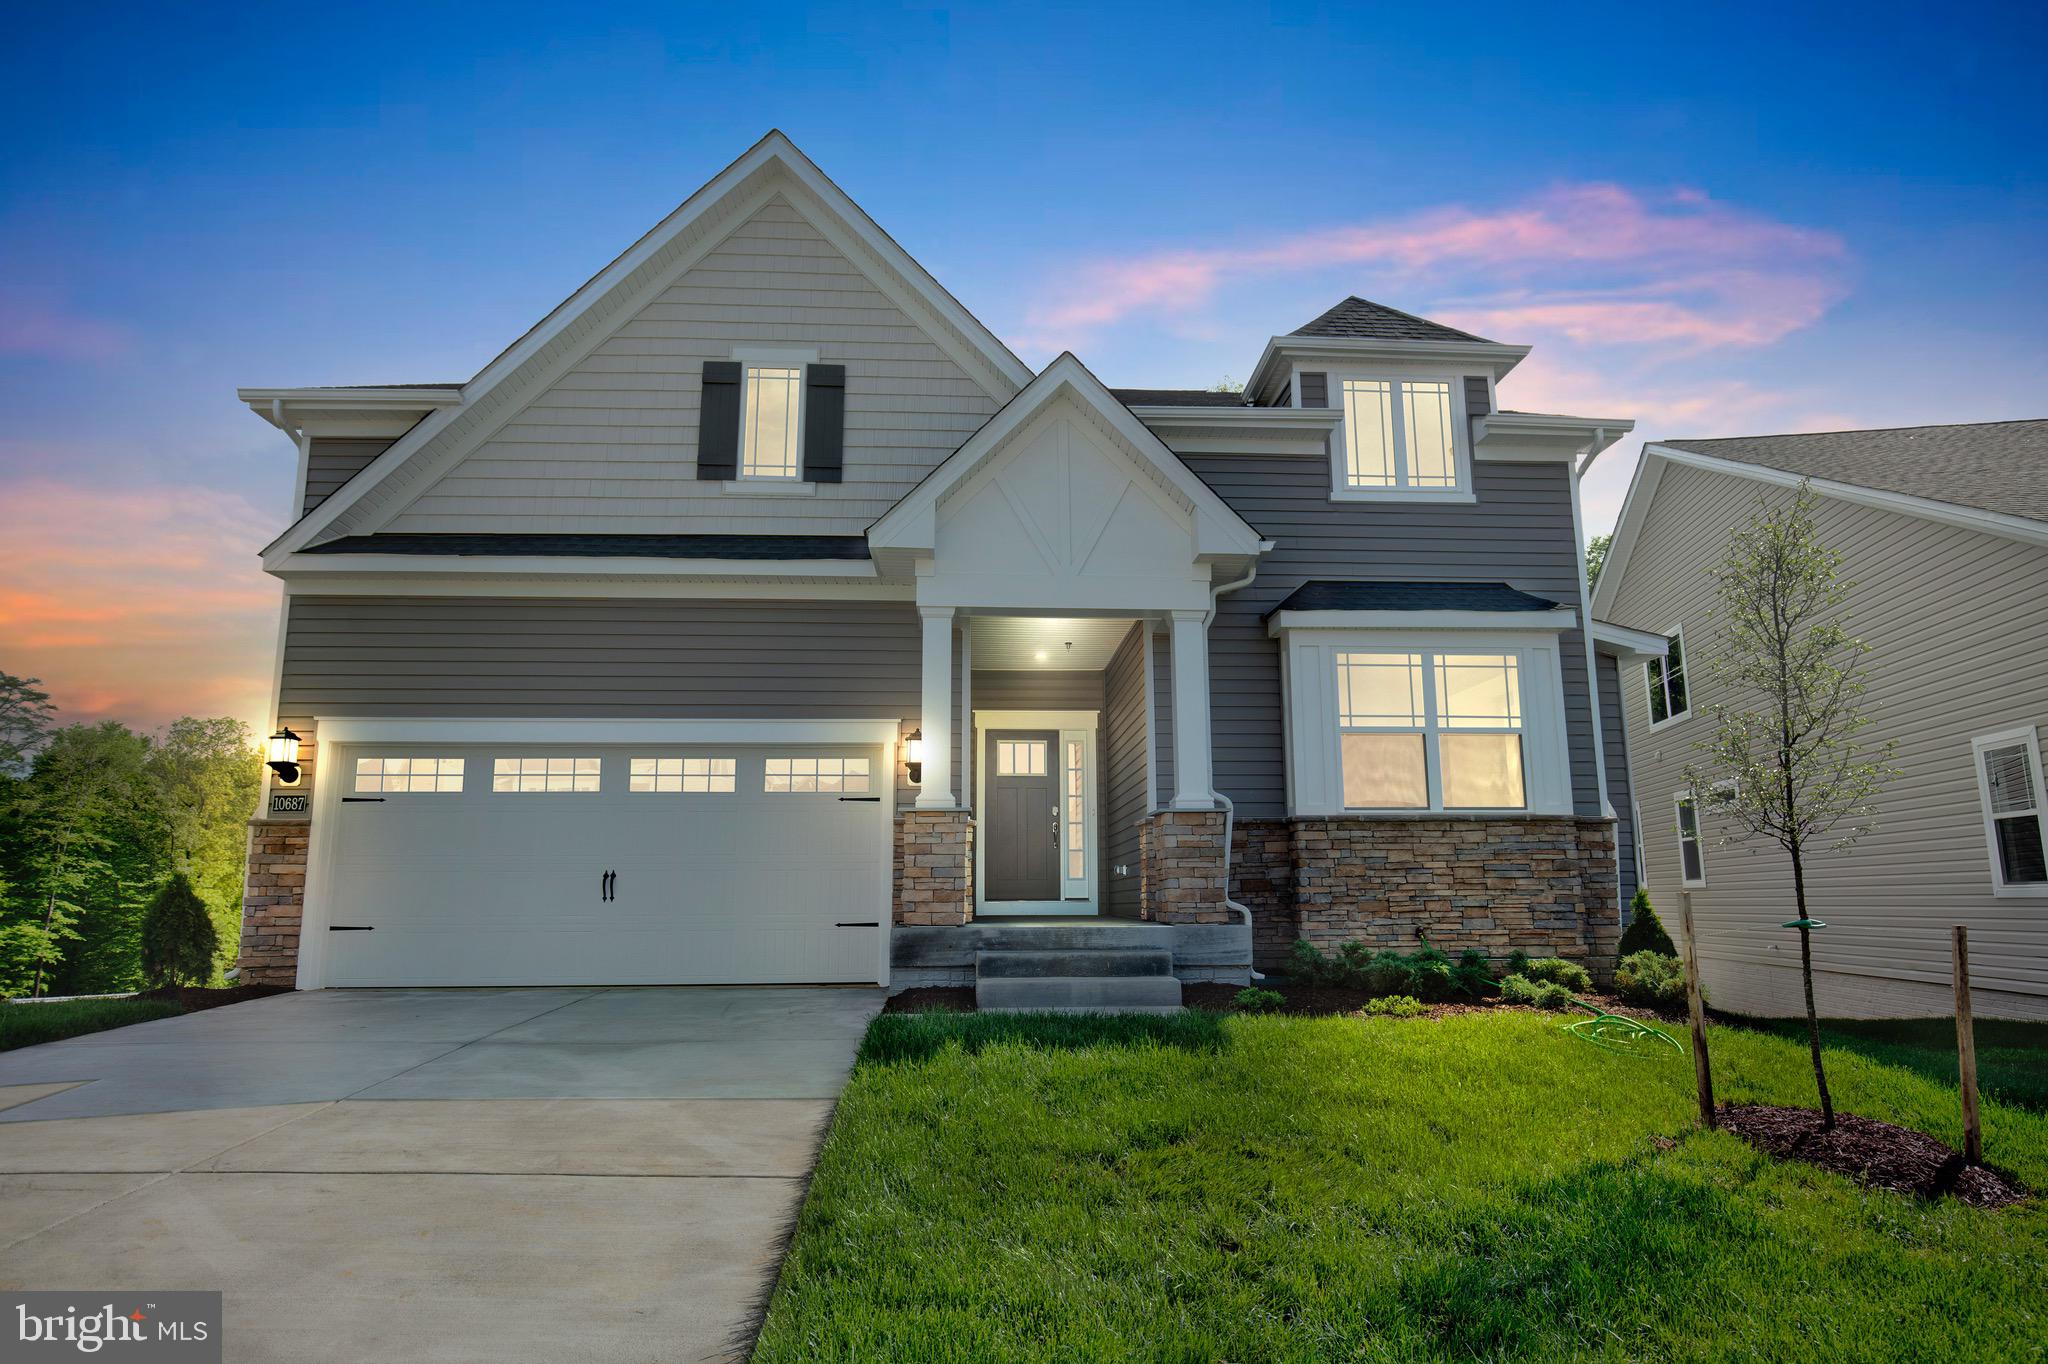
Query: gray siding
x=1958 y=627
x=1123 y=773
x=1519 y=532
x=612 y=445
x=1027 y=690
x=1477 y=403
x=1614 y=738
x=1162 y=716
x=331 y=462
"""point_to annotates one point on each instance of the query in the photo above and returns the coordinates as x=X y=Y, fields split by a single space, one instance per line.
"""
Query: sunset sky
x=1716 y=221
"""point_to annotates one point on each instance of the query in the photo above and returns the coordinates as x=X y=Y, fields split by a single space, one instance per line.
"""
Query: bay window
x=1424 y=729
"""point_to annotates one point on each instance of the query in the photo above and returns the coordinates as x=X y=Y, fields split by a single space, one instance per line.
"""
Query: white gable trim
x=772 y=166
x=1643 y=487
x=912 y=524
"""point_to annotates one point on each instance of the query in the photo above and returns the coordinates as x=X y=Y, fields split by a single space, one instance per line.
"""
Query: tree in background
x=1784 y=762
x=178 y=937
x=85 y=841
x=209 y=773
x=25 y=718
x=1596 y=557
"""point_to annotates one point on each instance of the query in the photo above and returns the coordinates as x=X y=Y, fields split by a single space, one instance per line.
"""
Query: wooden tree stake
x=1696 y=1005
x=1966 y=1052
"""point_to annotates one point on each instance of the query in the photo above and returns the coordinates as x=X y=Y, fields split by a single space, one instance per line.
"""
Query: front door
x=1022 y=856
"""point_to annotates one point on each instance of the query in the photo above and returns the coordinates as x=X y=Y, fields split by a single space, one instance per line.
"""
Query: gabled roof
x=744 y=547
x=1326 y=594
x=1983 y=476
x=1178 y=397
x=1993 y=466
x=1362 y=317
x=772 y=166
x=911 y=523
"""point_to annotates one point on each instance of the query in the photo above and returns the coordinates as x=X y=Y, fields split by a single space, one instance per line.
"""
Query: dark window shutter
x=718 y=421
x=824 y=422
x=1315 y=390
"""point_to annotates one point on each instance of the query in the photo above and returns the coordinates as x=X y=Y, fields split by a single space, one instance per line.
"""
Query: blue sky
x=1718 y=221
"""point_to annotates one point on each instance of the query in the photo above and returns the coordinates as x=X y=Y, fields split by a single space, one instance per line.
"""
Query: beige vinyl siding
x=1958 y=624
x=612 y=446
x=332 y=461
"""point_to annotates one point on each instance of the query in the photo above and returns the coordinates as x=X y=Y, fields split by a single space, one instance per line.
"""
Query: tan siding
x=1958 y=624
x=612 y=446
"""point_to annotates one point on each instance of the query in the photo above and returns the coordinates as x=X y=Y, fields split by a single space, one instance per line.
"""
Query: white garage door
x=580 y=865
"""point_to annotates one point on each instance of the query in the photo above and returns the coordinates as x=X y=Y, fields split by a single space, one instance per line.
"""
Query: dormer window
x=1400 y=435
x=772 y=401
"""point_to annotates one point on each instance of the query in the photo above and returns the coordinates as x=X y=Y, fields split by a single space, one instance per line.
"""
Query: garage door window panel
x=546 y=775
x=684 y=775
x=815 y=775
x=383 y=775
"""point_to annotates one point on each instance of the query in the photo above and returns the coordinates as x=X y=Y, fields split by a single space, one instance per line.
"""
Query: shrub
x=1557 y=971
x=1428 y=973
x=1253 y=1000
x=1653 y=978
x=178 y=937
x=1396 y=1006
x=1644 y=933
x=1540 y=994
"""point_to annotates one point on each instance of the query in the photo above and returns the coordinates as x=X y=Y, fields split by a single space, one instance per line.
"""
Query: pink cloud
x=136 y=603
x=1598 y=263
x=38 y=329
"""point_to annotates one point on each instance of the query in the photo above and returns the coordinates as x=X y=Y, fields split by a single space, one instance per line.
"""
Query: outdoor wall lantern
x=283 y=756
x=913 y=756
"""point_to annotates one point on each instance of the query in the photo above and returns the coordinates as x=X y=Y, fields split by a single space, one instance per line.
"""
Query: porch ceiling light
x=282 y=756
x=913 y=756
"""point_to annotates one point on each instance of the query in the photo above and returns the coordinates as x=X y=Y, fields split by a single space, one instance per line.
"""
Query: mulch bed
x=1878 y=1155
x=196 y=997
x=945 y=999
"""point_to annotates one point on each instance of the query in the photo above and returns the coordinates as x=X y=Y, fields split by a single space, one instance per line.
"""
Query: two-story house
x=1943 y=536
x=759 y=616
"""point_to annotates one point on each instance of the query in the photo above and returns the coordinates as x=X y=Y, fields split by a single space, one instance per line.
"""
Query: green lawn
x=24 y=1025
x=1205 y=1188
x=2012 y=1057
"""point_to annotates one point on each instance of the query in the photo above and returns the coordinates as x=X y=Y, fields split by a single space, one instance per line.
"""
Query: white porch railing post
x=1193 y=788
x=936 y=720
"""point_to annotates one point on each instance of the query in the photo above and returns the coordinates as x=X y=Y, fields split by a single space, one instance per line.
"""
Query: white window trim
x=1314 y=737
x=2030 y=736
x=799 y=358
x=1676 y=632
x=1699 y=837
x=1461 y=436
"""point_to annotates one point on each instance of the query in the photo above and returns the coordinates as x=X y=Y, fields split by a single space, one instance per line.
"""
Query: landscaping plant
x=1396 y=1006
x=1555 y=970
x=178 y=937
x=1651 y=978
x=1541 y=994
x=1428 y=973
x=1645 y=933
x=1253 y=1000
x=1785 y=762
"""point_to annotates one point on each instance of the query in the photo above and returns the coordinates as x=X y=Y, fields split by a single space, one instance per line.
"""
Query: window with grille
x=1431 y=730
x=656 y=775
x=2009 y=780
x=414 y=775
x=795 y=775
x=548 y=775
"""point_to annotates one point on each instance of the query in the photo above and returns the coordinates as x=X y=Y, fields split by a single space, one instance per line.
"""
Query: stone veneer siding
x=273 y=899
x=934 y=867
x=1545 y=885
x=1262 y=880
x=1180 y=855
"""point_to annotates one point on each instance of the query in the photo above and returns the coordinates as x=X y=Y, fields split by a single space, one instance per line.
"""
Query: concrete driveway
x=548 y=1175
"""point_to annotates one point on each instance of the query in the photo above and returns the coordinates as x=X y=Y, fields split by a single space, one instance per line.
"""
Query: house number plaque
x=288 y=803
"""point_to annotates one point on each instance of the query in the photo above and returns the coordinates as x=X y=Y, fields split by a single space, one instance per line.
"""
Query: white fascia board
x=775 y=149
x=1535 y=437
x=912 y=524
x=1242 y=430
x=596 y=586
x=1626 y=643
x=353 y=729
x=300 y=566
x=1947 y=513
x=1546 y=622
x=1495 y=358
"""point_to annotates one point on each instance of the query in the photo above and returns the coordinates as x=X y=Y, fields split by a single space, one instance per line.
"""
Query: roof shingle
x=1992 y=466
x=1362 y=317
x=1177 y=397
x=1331 y=594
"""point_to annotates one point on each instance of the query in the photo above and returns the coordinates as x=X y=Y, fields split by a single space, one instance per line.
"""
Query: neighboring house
x=1944 y=532
x=759 y=616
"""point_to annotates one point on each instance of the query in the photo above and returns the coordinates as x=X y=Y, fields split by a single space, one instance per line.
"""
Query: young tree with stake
x=1785 y=763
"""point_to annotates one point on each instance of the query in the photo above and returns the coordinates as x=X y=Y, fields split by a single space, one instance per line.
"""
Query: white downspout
x=1229 y=810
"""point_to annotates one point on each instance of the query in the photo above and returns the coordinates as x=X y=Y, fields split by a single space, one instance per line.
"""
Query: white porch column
x=1192 y=784
x=937 y=718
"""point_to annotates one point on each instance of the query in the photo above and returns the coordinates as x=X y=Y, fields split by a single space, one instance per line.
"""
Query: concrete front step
x=1097 y=1009
x=1076 y=993
x=1132 y=961
x=1066 y=935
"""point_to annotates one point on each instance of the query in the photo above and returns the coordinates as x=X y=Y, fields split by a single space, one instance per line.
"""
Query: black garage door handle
x=351 y=928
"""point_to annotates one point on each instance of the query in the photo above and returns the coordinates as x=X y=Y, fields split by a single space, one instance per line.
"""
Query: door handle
x=607 y=886
x=1055 y=827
